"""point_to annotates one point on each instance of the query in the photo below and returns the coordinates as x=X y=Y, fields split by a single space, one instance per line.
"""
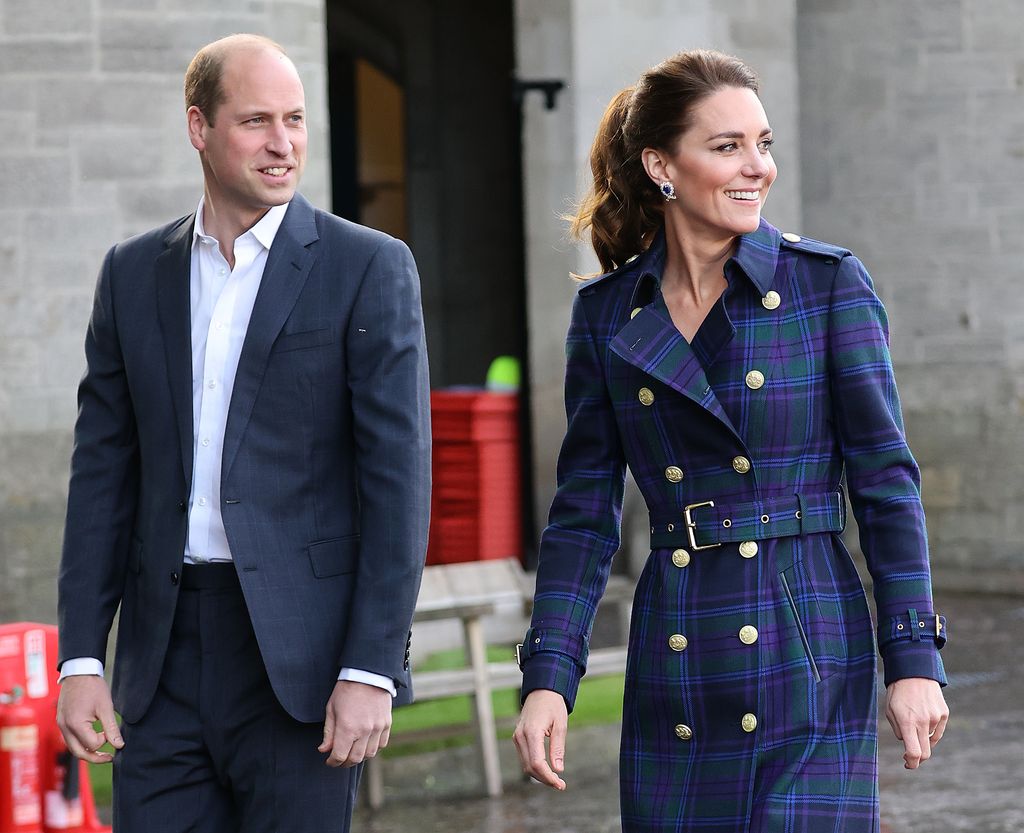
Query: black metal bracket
x=550 y=87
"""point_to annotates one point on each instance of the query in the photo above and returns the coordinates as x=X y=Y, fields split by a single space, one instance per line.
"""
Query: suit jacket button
x=174 y=579
x=181 y=506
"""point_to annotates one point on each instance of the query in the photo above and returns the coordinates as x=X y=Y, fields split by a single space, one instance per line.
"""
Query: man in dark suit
x=250 y=484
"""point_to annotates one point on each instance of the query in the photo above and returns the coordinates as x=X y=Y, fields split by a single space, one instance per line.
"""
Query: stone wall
x=96 y=150
x=912 y=135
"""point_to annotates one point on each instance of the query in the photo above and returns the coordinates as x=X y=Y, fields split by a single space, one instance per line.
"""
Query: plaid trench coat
x=750 y=699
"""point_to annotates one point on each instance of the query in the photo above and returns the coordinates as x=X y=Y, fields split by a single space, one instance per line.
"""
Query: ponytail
x=621 y=210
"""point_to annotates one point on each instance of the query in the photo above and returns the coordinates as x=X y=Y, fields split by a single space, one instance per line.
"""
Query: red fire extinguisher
x=20 y=799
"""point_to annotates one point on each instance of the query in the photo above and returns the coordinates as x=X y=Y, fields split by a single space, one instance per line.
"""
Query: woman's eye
x=766 y=145
x=727 y=147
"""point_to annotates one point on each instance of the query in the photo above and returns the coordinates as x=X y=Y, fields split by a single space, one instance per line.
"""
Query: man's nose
x=278 y=141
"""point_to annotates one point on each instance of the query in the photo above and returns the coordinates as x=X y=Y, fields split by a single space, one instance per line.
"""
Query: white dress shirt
x=222 y=300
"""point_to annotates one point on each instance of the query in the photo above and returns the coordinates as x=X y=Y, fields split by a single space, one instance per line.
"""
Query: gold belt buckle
x=691 y=526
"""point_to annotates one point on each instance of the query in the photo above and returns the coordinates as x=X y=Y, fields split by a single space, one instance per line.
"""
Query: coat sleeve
x=103 y=491
x=387 y=376
x=582 y=535
x=883 y=478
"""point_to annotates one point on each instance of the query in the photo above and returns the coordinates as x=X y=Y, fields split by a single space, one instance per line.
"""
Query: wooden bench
x=468 y=592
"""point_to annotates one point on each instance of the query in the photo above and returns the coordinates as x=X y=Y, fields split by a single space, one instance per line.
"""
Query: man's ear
x=197 y=127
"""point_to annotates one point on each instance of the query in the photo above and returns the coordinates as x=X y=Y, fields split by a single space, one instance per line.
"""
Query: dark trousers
x=215 y=752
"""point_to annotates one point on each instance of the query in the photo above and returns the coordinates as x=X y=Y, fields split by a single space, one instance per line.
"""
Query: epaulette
x=589 y=285
x=811 y=246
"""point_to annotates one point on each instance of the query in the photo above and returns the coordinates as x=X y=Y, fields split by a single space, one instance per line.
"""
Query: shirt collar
x=265 y=231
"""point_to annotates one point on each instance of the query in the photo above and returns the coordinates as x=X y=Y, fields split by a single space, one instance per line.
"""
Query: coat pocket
x=822 y=636
x=335 y=556
x=303 y=340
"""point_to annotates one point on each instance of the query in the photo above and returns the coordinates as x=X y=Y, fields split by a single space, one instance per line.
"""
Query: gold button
x=634 y=312
x=673 y=474
x=771 y=300
x=683 y=732
x=748 y=634
x=755 y=379
x=749 y=722
x=790 y=237
x=677 y=642
x=680 y=558
x=646 y=396
x=741 y=464
x=748 y=549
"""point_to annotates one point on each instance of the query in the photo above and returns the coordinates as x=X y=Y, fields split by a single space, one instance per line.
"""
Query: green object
x=503 y=374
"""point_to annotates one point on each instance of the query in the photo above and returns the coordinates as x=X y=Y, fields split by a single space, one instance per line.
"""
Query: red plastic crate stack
x=476 y=503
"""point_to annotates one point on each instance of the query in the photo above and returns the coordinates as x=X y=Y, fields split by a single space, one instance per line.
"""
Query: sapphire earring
x=668 y=190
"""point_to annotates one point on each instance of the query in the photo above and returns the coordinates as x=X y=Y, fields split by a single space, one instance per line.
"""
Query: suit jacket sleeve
x=387 y=376
x=583 y=527
x=883 y=477
x=103 y=490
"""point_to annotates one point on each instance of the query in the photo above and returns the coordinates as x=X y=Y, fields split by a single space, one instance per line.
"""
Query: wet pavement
x=974 y=781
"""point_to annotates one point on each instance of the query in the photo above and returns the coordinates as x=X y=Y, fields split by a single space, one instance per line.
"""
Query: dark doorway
x=425 y=141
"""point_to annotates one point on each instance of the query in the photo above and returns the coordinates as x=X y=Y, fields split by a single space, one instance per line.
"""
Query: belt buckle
x=691 y=526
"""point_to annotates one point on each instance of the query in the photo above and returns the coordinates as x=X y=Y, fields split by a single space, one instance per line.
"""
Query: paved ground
x=975 y=781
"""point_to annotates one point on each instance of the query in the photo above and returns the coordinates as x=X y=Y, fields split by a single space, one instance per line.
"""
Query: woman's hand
x=917 y=712
x=544 y=715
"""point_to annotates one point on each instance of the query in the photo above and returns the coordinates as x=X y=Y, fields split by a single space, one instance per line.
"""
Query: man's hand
x=357 y=724
x=84 y=700
x=917 y=712
x=544 y=715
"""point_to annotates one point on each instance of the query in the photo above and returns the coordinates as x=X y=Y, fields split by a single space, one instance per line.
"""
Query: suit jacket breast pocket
x=303 y=339
x=335 y=556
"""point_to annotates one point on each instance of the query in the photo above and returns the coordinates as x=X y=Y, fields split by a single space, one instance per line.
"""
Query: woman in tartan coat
x=737 y=371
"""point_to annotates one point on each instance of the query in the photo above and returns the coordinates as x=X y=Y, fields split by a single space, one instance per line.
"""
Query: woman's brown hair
x=623 y=208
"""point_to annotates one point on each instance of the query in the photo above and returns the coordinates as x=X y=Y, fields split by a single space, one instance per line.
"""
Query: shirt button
x=754 y=379
x=220 y=325
x=748 y=549
x=748 y=722
x=680 y=558
x=202 y=501
x=198 y=559
x=673 y=474
x=206 y=440
x=211 y=384
x=683 y=732
x=741 y=464
x=771 y=300
x=748 y=634
x=677 y=642
x=646 y=396
x=222 y=271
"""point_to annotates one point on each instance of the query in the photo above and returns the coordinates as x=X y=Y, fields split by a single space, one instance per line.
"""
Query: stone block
x=48 y=57
x=30 y=17
x=969 y=72
x=73 y=234
x=34 y=181
x=164 y=43
x=16 y=96
x=91 y=104
x=118 y=157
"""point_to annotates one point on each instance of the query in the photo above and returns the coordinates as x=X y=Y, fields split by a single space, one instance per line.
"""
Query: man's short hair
x=203 y=88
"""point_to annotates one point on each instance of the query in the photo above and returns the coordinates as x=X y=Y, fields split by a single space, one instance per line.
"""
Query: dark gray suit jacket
x=326 y=469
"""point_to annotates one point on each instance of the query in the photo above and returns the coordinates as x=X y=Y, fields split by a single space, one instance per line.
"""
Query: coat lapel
x=651 y=342
x=284 y=276
x=173 y=270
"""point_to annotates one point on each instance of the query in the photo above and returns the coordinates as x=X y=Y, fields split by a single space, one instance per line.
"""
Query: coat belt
x=710 y=523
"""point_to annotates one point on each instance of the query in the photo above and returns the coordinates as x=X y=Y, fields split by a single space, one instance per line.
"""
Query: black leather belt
x=709 y=524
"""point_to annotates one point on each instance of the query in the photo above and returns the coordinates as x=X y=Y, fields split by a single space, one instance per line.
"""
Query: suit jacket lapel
x=284 y=276
x=173 y=285
x=651 y=342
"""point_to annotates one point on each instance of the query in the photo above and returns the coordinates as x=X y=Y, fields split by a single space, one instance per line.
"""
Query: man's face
x=255 y=151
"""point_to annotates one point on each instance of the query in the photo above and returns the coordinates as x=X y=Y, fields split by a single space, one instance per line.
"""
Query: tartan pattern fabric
x=804 y=666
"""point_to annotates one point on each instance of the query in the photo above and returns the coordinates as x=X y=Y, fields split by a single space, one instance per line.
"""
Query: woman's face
x=722 y=166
